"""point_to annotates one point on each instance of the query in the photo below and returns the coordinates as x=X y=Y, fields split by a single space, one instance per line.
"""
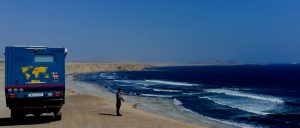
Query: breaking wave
x=244 y=94
x=171 y=83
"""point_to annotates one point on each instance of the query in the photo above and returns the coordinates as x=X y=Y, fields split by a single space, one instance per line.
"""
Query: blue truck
x=34 y=80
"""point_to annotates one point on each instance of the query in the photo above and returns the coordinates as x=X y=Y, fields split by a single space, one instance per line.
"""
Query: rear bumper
x=35 y=104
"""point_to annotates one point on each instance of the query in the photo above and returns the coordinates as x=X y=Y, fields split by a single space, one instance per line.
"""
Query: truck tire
x=13 y=114
x=17 y=114
x=57 y=114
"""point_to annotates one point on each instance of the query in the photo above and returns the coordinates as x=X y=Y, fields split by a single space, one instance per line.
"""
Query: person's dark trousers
x=118 y=105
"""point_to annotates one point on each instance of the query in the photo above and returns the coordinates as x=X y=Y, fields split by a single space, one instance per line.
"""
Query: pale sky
x=177 y=31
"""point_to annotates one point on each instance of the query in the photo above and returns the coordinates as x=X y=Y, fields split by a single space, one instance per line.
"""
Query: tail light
x=57 y=94
x=12 y=95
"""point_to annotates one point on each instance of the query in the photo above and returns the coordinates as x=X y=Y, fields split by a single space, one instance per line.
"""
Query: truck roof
x=34 y=47
x=30 y=47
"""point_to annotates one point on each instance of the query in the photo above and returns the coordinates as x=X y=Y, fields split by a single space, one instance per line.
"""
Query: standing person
x=119 y=99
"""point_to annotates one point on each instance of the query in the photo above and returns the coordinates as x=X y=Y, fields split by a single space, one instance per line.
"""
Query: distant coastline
x=77 y=68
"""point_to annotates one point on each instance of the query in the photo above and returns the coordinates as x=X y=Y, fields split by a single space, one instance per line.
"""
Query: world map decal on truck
x=33 y=74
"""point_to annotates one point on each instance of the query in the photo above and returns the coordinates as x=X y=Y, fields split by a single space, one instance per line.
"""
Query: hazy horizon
x=171 y=31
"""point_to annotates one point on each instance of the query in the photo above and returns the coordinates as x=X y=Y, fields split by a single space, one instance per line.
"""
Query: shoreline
x=148 y=104
x=84 y=107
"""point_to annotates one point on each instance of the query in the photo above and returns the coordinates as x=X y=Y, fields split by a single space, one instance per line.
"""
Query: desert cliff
x=75 y=68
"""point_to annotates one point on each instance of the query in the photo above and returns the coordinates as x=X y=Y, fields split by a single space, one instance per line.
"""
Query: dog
x=134 y=106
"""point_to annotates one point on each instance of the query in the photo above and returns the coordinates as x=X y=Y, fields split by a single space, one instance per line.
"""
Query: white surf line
x=171 y=83
x=242 y=94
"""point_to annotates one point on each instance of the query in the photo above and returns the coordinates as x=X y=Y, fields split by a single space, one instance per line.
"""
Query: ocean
x=241 y=95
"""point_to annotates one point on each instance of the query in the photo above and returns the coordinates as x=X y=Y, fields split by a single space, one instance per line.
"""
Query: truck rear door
x=39 y=70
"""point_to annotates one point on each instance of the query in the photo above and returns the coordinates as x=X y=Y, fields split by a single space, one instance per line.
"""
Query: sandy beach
x=86 y=108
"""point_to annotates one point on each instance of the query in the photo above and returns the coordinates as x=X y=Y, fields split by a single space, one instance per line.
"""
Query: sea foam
x=244 y=94
x=178 y=104
x=171 y=83
x=165 y=90
x=260 y=108
x=154 y=95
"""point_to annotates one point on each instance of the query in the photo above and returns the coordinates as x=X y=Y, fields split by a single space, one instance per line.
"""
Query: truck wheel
x=17 y=114
x=57 y=114
x=13 y=114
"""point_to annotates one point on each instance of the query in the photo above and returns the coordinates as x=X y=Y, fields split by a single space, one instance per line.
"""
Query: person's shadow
x=107 y=114
x=30 y=120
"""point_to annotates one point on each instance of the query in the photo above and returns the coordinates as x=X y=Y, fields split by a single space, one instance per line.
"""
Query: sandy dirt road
x=85 y=111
